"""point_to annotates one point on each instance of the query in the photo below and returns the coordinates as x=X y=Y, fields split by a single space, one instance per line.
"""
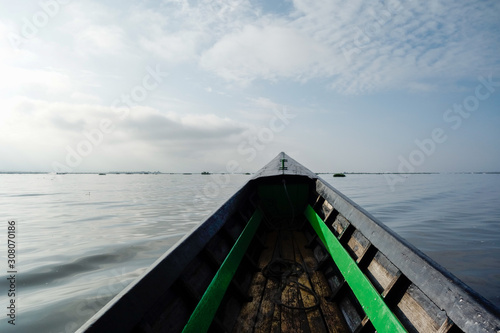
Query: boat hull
x=288 y=252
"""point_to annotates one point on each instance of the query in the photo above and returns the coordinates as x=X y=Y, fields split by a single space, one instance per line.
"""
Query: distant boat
x=102 y=174
x=339 y=175
x=288 y=252
x=205 y=173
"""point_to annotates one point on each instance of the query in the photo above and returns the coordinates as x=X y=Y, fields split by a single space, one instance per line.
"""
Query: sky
x=224 y=86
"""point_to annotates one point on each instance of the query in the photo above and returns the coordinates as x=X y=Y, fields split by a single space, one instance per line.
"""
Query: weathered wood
x=250 y=311
x=308 y=300
x=367 y=256
x=268 y=319
x=314 y=317
x=415 y=314
x=290 y=318
x=380 y=277
x=355 y=246
x=269 y=316
x=339 y=224
x=327 y=210
x=446 y=327
x=332 y=317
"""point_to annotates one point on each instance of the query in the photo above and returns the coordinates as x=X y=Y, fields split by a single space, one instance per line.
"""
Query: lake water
x=80 y=239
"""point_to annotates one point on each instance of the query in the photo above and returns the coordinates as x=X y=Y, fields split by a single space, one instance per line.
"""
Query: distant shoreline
x=241 y=173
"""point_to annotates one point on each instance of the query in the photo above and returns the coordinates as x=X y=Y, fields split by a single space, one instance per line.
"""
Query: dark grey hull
x=421 y=295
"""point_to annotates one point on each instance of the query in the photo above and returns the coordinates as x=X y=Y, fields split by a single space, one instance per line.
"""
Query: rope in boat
x=285 y=273
x=282 y=271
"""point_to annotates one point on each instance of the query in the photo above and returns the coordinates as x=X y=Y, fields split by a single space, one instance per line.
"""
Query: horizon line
x=239 y=173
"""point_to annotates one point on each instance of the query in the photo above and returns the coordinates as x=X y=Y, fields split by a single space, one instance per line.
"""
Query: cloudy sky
x=180 y=85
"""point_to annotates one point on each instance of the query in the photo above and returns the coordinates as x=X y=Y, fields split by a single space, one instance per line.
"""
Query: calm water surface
x=82 y=238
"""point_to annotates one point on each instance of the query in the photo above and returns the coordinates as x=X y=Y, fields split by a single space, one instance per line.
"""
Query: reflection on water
x=83 y=238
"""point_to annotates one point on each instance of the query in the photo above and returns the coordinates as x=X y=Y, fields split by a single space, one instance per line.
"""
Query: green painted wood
x=205 y=311
x=372 y=302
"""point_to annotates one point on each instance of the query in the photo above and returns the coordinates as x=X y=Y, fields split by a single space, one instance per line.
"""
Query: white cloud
x=178 y=31
x=35 y=82
x=358 y=46
x=96 y=40
x=361 y=47
x=94 y=30
x=174 y=47
x=50 y=128
x=154 y=126
x=83 y=98
x=265 y=52
x=18 y=75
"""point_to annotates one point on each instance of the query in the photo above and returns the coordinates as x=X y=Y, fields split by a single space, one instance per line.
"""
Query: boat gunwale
x=464 y=306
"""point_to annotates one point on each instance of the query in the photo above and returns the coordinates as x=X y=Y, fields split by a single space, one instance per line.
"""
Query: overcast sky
x=225 y=85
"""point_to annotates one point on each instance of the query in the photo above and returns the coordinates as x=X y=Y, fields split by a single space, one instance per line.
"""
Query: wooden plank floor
x=279 y=304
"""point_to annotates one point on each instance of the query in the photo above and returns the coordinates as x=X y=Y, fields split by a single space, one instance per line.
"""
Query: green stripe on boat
x=374 y=306
x=205 y=311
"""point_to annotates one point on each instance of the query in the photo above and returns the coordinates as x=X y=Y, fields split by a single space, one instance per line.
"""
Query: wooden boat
x=290 y=253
